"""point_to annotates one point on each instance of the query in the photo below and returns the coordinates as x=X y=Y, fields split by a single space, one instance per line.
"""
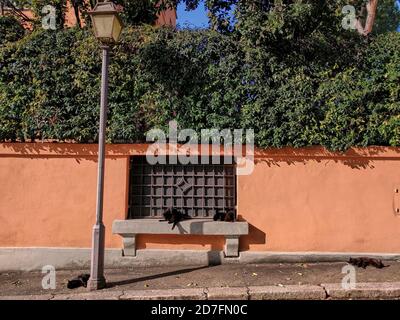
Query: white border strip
x=27 y=259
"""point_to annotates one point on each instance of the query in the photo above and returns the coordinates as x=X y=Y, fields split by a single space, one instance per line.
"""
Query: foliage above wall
x=296 y=77
x=10 y=30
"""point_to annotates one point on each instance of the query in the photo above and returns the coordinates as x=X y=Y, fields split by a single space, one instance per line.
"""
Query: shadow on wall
x=255 y=236
x=355 y=158
x=70 y=150
x=352 y=163
x=213 y=243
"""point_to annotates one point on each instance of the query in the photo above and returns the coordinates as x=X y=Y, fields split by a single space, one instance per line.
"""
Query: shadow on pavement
x=155 y=276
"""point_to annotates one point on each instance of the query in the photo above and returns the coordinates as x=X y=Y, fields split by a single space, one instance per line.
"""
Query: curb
x=369 y=290
x=173 y=294
x=290 y=292
x=329 y=291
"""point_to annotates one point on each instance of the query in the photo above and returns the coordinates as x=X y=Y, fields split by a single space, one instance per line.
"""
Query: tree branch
x=16 y=11
x=372 y=6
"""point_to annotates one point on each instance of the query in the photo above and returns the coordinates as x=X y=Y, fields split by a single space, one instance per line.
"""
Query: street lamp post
x=107 y=28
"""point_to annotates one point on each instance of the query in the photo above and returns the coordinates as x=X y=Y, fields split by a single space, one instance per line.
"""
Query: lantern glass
x=117 y=29
x=103 y=25
x=106 y=22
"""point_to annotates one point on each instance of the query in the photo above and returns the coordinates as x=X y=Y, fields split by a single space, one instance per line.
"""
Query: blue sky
x=193 y=19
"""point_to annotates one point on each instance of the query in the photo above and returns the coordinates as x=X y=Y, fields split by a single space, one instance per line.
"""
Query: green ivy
x=314 y=88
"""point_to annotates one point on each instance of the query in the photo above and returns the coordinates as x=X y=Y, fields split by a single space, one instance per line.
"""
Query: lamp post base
x=97 y=280
x=96 y=284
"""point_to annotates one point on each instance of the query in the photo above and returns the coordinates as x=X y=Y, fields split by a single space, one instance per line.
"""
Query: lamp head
x=106 y=22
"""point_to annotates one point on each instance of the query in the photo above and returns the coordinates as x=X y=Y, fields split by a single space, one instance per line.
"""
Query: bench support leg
x=231 y=246
x=129 y=241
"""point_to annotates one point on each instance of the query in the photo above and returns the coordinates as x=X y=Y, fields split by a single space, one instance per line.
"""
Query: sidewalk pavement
x=232 y=282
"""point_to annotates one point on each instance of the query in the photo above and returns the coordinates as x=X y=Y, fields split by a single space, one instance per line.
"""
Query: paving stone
x=28 y=297
x=290 y=292
x=386 y=290
x=175 y=294
x=227 y=293
x=369 y=290
x=100 y=295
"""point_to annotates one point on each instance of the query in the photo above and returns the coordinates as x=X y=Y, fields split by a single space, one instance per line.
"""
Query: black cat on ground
x=364 y=262
x=79 y=281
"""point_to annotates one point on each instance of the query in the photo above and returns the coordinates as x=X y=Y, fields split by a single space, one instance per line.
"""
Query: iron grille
x=197 y=189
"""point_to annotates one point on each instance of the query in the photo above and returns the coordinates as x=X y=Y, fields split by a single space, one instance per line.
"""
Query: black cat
x=364 y=262
x=173 y=215
x=228 y=216
x=79 y=281
x=167 y=214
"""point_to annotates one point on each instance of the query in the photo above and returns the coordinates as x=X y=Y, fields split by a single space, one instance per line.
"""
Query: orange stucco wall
x=48 y=195
x=295 y=200
x=313 y=200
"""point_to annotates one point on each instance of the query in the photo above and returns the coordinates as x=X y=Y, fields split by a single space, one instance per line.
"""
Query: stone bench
x=128 y=229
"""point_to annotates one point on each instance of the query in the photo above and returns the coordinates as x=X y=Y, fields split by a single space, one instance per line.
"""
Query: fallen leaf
x=146 y=285
x=299 y=273
x=280 y=284
x=254 y=274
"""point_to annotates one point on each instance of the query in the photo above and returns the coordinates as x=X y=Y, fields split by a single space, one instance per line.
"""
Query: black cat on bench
x=173 y=215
